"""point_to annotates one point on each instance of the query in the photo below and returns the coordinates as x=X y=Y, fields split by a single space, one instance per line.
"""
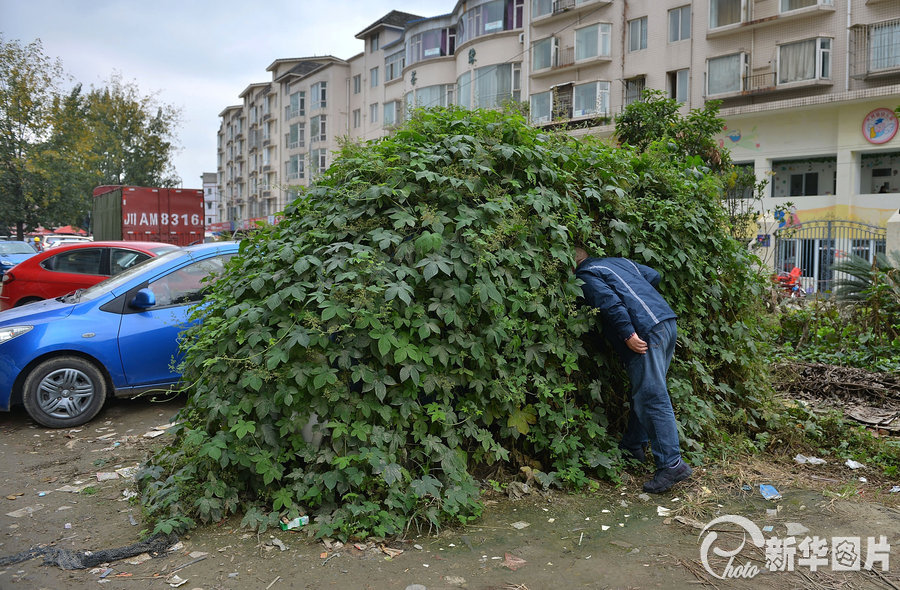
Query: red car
x=63 y=269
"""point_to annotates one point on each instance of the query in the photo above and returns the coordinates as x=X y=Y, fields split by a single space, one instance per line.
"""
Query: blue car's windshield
x=15 y=248
x=125 y=276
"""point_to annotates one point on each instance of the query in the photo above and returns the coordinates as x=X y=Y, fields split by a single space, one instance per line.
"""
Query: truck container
x=148 y=214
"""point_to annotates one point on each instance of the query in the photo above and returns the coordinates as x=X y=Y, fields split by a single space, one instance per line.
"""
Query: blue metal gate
x=814 y=247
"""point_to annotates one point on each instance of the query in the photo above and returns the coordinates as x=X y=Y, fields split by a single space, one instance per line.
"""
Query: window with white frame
x=393 y=65
x=318 y=98
x=678 y=85
x=482 y=20
x=438 y=95
x=430 y=44
x=593 y=41
x=464 y=90
x=543 y=53
x=679 y=24
x=637 y=34
x=295 y=135
x=373 y=77
x=375 y=42
x=725 y=74
x=804 y=60
x=391 y=113
x=590 y=99
x=357 y=83
x=541 y=7
x=541 y=107
x=318 y=161
x=295 y=167
x=296 y=105
x=495 y=84
x=357 y=118
x=884 y=45
x=727 y=12
x=373 y=113
x=788 y=5
x=318 y=129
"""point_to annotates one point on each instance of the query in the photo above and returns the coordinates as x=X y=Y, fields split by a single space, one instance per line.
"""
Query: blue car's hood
x=36 y=313
x=14 y=258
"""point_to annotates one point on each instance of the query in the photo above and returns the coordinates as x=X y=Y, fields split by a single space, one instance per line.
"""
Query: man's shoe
x=639 y=454
x=665 y=478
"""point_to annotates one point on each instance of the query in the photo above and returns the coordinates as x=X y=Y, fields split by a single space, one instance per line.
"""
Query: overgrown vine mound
x=420 y=303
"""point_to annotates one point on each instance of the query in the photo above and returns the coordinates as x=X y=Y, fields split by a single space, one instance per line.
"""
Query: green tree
x=420 y=302
x=29 y=97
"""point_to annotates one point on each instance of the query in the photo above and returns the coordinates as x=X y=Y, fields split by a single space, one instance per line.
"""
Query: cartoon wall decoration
x=880 y=126
x=736 y=138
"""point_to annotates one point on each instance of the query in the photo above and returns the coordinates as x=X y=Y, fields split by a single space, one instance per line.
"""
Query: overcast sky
x=197 y=54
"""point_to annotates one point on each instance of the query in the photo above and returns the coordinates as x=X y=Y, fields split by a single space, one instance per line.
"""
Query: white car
x=56 y=240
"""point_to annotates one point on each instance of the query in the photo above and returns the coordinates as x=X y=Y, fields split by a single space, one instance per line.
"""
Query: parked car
x=63 y=269
x=52 y=241
x=62 y=358
x=13 y=252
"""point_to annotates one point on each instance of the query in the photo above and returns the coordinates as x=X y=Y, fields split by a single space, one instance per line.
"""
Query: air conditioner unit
x=521 y=37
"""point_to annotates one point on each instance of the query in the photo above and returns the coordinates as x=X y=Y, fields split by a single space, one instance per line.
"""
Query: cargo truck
x=148 y=214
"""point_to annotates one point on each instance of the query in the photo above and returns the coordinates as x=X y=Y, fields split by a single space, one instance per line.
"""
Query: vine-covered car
x=61 y=358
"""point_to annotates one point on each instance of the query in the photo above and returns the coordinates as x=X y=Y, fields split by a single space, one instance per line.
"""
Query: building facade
x=210 y=199
x=807 y=89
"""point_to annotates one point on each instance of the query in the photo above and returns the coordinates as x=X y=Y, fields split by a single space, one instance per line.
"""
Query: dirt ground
x=613 y=538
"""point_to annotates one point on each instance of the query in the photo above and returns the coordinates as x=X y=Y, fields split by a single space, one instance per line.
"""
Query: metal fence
x=815 y=246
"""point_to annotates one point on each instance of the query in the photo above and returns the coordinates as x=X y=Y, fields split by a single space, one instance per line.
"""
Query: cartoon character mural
x=787 y=217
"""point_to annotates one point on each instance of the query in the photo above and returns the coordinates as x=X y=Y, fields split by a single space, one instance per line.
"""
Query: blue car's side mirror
x=143 y=299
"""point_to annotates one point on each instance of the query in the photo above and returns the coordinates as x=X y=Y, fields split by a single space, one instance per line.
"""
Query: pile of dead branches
x=866 y=396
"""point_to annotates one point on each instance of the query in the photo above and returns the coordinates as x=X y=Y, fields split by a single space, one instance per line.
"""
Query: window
x=439 y=95
x=679 y=24
x=318 y=96
x=429 y=44
x=678 y=85
x=357 y=118
x=541 y=7
x=186 y=285
x=725 y=74
x=296 y=105
x=804 y=184
x=543 y=53
x=393 y=65
x=482 y=20
x=120 y=260
x=318 y=129
x=634 y=88
x=373 y=113
x=295 y=165
x=637 y=34
x=726 y=12
x=884 y=45
x=318 y=161
x=788 y=5
x=804 y=60
x=390 y=113
x=295 y=137
x=357 y=83
x=84 y=261
x=495 y=84
x=541 y=107
x=373 y=77
x=464 y=90
x=375 y=42
x=590 y=99
x=593 y=41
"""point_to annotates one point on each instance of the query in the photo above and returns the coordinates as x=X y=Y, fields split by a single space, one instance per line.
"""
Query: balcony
x=875 y=50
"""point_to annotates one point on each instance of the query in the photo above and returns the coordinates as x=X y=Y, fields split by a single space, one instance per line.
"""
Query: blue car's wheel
x=63 y=392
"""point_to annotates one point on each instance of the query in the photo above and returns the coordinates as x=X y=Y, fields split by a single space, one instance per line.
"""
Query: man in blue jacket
x=641 y=327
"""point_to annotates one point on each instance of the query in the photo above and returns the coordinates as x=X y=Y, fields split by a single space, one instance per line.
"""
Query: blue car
x=62 y=358
x=12 y=252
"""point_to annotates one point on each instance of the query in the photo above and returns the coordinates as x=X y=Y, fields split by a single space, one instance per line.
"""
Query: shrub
x=419 y=303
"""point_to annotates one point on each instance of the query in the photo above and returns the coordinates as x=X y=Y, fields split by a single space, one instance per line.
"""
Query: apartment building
x=210 y=198
x=807 y=88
